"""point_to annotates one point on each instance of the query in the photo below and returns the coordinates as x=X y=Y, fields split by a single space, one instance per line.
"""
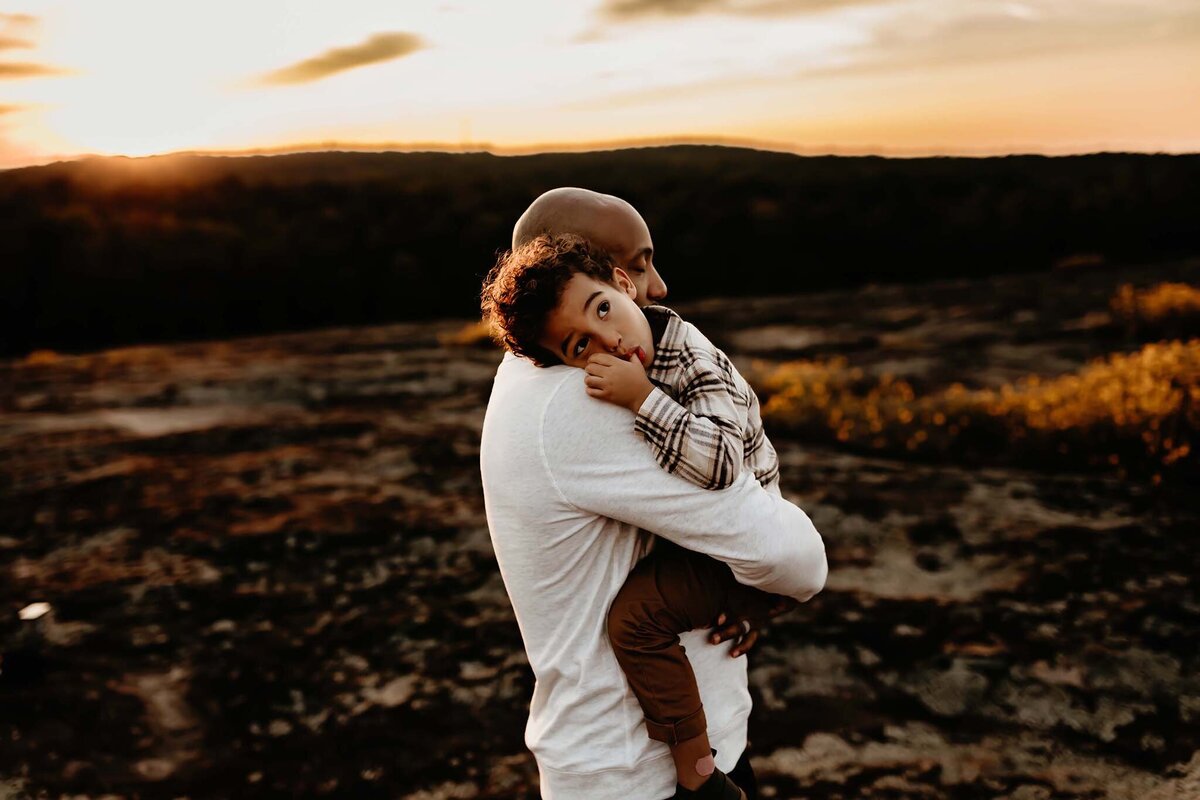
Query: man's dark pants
x=743 y=775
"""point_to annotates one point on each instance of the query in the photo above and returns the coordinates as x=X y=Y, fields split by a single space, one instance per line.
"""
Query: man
x=568 y=487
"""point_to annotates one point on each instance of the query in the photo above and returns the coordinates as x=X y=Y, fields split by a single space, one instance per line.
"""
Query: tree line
x=106 y=251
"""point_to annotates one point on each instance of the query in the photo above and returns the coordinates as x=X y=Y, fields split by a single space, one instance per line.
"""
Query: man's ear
x=625 y=283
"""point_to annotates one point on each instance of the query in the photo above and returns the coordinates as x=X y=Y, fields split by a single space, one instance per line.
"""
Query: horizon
x=486 y=148
x=893 y=78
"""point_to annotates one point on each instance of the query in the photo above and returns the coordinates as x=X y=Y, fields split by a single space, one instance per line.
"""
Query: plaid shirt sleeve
x=698 y=438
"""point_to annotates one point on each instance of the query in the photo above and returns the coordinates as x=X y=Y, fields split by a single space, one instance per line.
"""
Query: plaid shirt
x=702 y=418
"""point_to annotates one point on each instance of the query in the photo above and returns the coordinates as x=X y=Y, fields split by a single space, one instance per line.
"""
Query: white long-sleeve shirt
x=567 y=484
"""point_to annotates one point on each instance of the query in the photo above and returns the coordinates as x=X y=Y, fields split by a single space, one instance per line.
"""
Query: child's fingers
x=596 y=387
x=602 y=360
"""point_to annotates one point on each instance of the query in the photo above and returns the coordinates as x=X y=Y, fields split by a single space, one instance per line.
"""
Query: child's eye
x=580 y=346
x=602 y=308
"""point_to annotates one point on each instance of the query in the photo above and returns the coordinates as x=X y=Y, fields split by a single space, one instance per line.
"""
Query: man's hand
x=618 y=381
x=745 y=629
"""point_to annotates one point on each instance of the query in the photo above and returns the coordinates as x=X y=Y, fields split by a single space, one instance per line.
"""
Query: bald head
x=566 y=209
x=607 y=222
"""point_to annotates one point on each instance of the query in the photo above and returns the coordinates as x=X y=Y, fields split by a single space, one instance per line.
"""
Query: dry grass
x=1168 y=308
x=1136 y=413
x=41 y=357
x=473 y=334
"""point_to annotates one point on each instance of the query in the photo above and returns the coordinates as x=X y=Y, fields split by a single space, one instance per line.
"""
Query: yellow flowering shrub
x=1168 y=307
x=39 y=357
x=473 y=334
x=1136 y=412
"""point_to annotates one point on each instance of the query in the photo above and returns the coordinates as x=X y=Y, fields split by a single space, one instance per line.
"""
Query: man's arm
x=601 y=466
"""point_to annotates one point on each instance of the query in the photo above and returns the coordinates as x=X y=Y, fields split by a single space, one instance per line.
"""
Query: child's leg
x=670 y=591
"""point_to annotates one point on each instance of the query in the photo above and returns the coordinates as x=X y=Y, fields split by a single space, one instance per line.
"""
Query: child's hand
x=617 y=381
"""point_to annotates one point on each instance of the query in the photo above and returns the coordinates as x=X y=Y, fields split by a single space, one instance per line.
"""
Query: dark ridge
x=107 y=251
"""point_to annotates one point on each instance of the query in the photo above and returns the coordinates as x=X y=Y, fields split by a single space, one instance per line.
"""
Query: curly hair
x=526 y=284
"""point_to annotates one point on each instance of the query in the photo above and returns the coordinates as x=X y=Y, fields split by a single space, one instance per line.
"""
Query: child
x=557 y=300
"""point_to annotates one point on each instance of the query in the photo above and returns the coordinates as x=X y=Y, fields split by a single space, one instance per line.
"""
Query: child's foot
x=717 y=787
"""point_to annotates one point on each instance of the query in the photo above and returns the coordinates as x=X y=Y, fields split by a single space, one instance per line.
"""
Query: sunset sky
x=901 y=77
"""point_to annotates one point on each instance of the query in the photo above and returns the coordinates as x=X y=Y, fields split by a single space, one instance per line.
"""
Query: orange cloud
x=13 y=70
x=12 y=43
x=17 y=19
x=634 y=9
x=380 y=47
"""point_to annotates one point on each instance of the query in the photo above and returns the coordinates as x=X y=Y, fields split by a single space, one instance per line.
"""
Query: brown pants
x=670 y=591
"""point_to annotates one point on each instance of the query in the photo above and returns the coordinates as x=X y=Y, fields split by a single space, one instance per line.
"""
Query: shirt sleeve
x=600 y=466
x=698 y=438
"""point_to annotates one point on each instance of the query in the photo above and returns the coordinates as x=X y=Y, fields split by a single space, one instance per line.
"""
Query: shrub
x=1168 y=309
x=1135 y=413
x=473 y=334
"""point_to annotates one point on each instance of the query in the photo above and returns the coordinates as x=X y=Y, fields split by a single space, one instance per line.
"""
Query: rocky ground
x=266 y=573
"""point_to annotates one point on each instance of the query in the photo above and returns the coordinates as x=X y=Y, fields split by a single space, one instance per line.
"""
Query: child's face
x=595 y=317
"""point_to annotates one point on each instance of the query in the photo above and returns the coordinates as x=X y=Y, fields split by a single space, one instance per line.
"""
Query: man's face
x=595 y=317
x=620 y=230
